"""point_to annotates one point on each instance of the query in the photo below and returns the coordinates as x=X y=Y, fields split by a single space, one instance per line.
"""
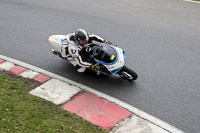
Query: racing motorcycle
x=109 y=59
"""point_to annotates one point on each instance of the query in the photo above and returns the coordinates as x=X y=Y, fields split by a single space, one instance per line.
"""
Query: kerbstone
x=135 y=124
x=55 y=91
x=17 y=70
x=42 y=78
x=6 y=66
x=96 y=110
x=29 y=74
x=1 y=61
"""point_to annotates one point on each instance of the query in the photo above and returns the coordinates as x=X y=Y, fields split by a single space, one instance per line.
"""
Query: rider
x=73 y=44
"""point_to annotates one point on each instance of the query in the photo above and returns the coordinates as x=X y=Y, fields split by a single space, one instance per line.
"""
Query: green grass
x=197 y=0
x=21 y=112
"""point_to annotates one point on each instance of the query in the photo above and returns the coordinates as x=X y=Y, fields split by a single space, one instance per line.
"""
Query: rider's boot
x=98 y=72
x=80 y=69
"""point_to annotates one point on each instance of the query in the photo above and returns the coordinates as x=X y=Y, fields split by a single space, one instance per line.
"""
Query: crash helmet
x=81 y=37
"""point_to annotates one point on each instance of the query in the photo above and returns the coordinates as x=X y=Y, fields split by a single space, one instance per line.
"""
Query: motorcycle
x=109 y=59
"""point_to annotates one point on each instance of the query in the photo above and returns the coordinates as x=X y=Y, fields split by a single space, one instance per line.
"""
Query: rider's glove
x=95 y=66
x=108 y=42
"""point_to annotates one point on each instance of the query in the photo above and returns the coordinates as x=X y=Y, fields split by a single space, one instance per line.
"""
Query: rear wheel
x=127 y=73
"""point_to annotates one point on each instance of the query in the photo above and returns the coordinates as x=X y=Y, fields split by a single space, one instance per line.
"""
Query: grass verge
x=23 y=112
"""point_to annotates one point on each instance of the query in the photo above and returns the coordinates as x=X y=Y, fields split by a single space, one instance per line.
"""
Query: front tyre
x=128 y=74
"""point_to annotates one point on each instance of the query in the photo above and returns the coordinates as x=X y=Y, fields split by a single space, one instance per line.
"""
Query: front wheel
x=127 y=73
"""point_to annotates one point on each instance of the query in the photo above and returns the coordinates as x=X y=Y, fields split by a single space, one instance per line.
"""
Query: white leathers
x=71 y=48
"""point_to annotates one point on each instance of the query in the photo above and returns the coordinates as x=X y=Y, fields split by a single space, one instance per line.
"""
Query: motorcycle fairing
x=117 y=64
x=117 y=70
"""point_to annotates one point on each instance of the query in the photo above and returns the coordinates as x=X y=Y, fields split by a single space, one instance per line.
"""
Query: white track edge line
x=129 y=107
x=192 y=1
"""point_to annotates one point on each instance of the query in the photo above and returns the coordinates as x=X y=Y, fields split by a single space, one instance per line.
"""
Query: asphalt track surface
x=160 y=38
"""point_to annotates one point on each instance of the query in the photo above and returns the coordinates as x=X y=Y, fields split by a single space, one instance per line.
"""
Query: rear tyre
x=128 y=74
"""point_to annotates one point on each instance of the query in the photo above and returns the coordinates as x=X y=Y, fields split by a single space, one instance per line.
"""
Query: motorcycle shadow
x=106 y=79
x=90 y=78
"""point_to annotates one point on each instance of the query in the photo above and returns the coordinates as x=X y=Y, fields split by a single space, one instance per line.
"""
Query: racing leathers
x=72 y=49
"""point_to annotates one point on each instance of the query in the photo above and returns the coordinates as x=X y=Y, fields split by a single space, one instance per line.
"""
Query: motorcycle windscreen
x=108 y=54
